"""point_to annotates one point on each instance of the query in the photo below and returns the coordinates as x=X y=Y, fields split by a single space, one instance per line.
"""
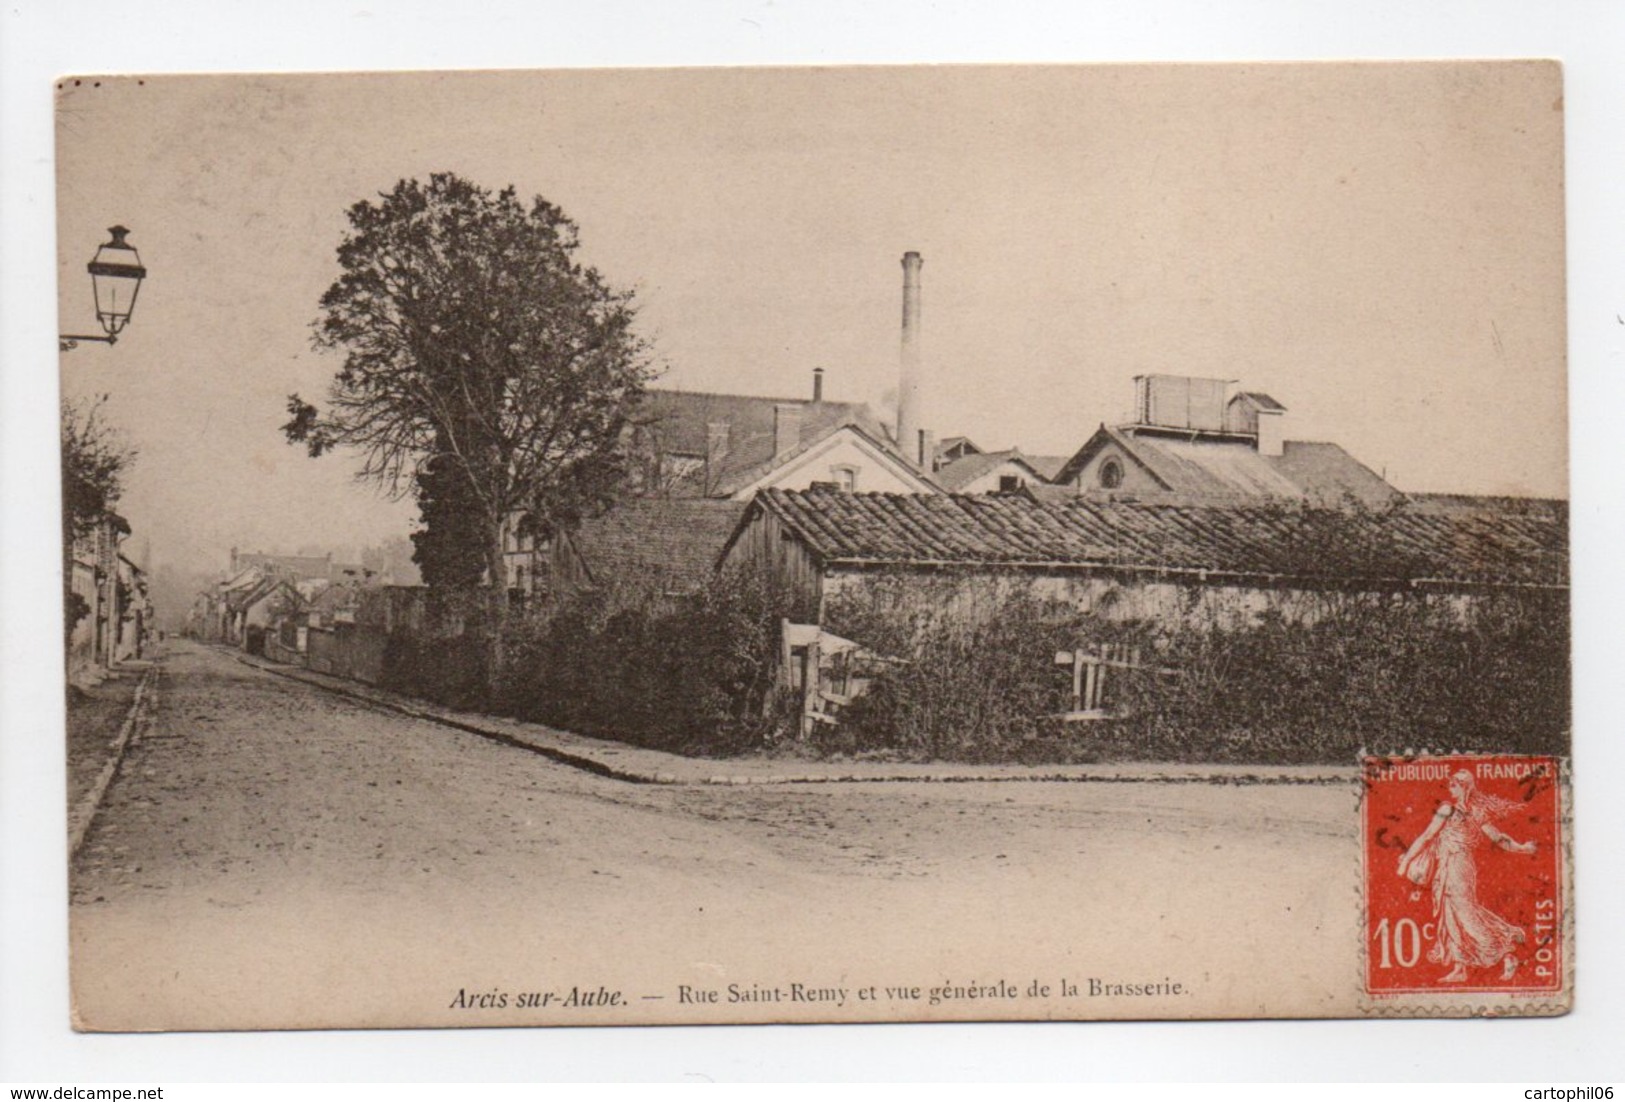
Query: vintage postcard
x=815 y=545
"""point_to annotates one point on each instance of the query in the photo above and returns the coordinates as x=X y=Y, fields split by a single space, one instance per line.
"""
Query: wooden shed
x=1156 y=559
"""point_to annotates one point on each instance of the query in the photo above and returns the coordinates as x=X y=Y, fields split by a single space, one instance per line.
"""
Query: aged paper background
x=307 y=911
x=1381 y=242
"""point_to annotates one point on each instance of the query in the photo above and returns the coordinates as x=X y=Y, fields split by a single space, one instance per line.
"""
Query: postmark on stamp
x=1463 y=889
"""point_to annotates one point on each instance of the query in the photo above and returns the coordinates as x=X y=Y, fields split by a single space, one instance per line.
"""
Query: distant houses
x=237 y=610
x=255 y=605
x=297 y=567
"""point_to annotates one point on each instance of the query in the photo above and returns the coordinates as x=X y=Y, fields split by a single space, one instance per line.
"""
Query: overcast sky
x=1378 y=246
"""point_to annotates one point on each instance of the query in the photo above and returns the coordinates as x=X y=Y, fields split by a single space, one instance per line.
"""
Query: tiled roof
x=245 y=579
x=1217 y=467
x=1257 y=539
x=962 y=472
x=241 y=599
x=1552 y=508
x=666 y=544
x=340 y=595
x=1326 y=473
x=1047 y=465
x=675 y=422
x=1049 y=492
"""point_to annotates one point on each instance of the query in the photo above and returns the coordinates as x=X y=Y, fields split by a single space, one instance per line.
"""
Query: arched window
x=1111 y=474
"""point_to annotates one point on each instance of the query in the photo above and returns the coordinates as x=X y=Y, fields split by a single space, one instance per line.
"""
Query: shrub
x=978 y=680
x=692 y=675
x=447 y=669
x=1373 y=673
x=1310 y=679
x=1345 y=672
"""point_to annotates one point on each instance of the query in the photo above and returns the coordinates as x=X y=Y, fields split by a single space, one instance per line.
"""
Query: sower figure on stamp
x=1466 y=933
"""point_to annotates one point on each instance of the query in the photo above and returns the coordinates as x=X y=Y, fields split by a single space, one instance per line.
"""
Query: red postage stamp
x=1462 y=880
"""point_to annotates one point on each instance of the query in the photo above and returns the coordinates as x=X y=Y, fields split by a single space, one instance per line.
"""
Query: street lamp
x=115 y=274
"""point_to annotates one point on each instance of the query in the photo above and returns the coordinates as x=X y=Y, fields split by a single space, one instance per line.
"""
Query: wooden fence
x=1094 y=683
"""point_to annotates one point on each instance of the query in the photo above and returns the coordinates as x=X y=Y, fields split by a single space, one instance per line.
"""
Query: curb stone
x=668 y=769
x=576 y=761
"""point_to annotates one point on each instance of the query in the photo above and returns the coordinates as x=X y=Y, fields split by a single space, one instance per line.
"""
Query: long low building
x=1137 y=558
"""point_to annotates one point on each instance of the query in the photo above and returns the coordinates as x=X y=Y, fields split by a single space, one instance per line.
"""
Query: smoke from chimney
x=911 y=383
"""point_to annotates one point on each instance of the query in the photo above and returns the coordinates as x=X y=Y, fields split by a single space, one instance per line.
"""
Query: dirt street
x=275 y=855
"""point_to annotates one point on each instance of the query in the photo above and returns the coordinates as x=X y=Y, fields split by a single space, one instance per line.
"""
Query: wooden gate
x=1094 y=681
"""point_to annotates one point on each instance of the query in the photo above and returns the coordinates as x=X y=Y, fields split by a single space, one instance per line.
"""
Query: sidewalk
x=101 y=721
x=641 y=766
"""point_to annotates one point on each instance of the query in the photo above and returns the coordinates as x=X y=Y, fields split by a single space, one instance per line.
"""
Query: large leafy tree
x=95 y=457
x=485 y=368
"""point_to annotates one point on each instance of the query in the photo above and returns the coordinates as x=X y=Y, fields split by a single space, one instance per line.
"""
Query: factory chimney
x=913 y=436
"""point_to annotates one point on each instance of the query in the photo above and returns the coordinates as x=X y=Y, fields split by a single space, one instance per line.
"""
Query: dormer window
x=1111 y=474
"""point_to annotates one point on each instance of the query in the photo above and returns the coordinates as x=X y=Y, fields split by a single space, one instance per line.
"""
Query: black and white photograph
x=815 y=545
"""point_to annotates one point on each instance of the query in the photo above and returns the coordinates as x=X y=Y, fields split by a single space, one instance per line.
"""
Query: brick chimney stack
x=911 y=397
